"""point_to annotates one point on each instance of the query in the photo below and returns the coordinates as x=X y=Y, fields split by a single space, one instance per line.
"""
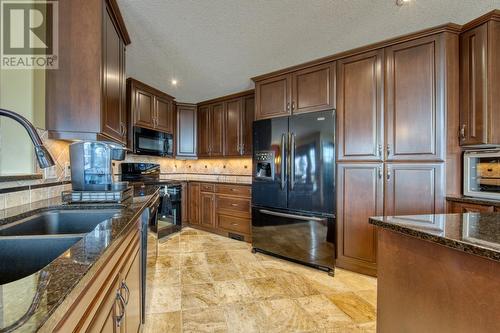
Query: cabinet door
x=233 y=126
x=359 y=107
x=186 y=130
x=360 y=195
x=133 y=299
x=473 y=86
x=207 y=214
x=216 y=129
x=414 y=188
x=313 y=89
x=184 y=203
x=113 y=120
x=194 y=203
x=204 y=131
x=273 y=97
x=105 y=319
x=248 y=117
x=144 y=113
x=462 y=207
x=164 y=112
x=414 y=100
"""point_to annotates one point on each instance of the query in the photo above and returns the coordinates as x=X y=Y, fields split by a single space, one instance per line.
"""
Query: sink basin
x=22 y=256
x=59 y=222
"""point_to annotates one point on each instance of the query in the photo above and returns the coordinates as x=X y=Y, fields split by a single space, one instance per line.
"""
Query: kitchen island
x=76 y=289
x=438 y=273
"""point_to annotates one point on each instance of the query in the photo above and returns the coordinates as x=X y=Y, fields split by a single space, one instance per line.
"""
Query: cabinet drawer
x=207 y=187
x=240 y=190
x=231 y=223
x=239 y=205
x=462 y=207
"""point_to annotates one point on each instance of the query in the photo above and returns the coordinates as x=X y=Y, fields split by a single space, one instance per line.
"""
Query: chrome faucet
x=42 y=154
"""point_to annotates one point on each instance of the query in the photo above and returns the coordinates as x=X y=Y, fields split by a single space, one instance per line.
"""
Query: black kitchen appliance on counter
x=293 y=188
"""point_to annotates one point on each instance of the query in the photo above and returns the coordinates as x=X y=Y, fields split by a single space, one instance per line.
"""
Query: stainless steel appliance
x=91 y=165
x=293 y=188
x=482 y=173
x=150 y=142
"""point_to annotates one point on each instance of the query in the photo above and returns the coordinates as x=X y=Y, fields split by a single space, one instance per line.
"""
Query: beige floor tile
x=242 y=256
x=252 y=270
x=354 y=306
x=296 y=285
x=323 y=310
x=164 y=277
x=169 y=322
x=285 y=315
x=193 y=259
x=356 y=281
x=196 y=296
x=224 y=272
x=164 y=299
x=368 y=295
x=248 y=318
x=195 y=275
x=219 y=258
x=235 y=291
x=265 y=288
x=167 y=261
x=210 y=320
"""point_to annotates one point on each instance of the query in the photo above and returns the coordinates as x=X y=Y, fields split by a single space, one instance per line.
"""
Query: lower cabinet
x=371 y=189
x=462 y=207
x=221 y=208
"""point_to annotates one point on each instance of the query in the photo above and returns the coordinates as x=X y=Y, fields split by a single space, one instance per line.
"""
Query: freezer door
x=312 y=162
x=307 y=239
x=269 y=181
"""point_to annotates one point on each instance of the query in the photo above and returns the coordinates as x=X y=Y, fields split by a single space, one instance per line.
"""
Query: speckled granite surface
x=478 y=201
x=35 y=299
x=473 y=233
x=223 y=178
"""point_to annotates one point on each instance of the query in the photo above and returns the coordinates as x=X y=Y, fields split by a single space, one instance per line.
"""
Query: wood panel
x=207 y=213
x=414 y=188
x=232 y=189
x=414 y=100
x=313 y=89
x=186 y=130
x=233 y=117
x=133 y=307
x=273 y=97
x=234 y=224
x=248 y=117
x=144 y=113
x=360 y=107
x=237 y=206
x=462 y=207
x=185 y=203
x=204 y=131
x=216 y=129
x=194 y=203
x=104 y=320
x=164 y=115
x=359 y=196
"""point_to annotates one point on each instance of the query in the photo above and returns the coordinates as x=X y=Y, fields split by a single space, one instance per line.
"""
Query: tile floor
x=207 y=283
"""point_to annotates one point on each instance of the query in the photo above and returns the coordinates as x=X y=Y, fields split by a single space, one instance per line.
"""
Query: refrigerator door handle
x=283 y=161
x=292 y=161
x=292 y=216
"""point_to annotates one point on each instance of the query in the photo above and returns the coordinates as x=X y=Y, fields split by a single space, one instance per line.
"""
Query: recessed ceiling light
x=402 y=2
x=174 y=82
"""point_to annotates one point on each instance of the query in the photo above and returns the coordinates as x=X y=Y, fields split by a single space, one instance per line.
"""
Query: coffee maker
x=91 y=165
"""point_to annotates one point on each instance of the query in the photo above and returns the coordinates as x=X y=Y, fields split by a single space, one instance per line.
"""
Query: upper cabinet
x=149 y=107
x=480 y=81
x=306 y=90
x=85 y=97
x=186 y=130
x=225 y=126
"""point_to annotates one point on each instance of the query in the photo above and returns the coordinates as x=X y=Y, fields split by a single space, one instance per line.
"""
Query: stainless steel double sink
x=28 y=245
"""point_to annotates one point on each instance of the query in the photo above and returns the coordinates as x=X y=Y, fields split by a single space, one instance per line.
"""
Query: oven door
x=482 y=174
x=149 y=142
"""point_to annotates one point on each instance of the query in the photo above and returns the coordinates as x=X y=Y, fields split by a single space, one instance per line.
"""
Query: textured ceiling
x=213 y=47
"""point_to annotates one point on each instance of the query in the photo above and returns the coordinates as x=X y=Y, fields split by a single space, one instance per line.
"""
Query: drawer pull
x=234 y=224
x=234 y=205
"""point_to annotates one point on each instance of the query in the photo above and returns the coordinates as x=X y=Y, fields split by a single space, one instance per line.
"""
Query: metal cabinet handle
x=283 y=161
x=379 y=150
x=288 y=106
x=388 y=150
x=234 y=205
x=124 y=286
x=380 y=172
x=292 y=216
x=234 y=224
x=293 y=105
x=121 y=303
x=292 y=161
x=462 y=132
x=388 y=176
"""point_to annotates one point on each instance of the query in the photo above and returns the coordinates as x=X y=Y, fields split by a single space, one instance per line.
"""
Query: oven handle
x=292 y=216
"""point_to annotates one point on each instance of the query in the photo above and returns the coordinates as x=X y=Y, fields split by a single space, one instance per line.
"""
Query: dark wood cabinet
x=186 y=130
x=194 y=203
x=233 y=122
x=248 y=117
x=360 y=107
x=414 y=188
x=207 y=212
x=105 y=319
x=149 y=107
x=463 y=207
x=414 y=100
x=85 y=96
x=359 y=196
x=204 y=131
x=131 y=284
x=216 y=129
x=313 y=89
x=480 y=83
x=185 y=202
x=273 y=97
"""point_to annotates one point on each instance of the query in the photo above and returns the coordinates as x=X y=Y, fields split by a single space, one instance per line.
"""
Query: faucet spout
x=42 y=154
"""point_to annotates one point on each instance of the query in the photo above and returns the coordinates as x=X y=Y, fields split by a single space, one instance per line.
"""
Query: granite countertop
x=230 y=179
x=34 y=302
x=473 y=233
x=477 y=201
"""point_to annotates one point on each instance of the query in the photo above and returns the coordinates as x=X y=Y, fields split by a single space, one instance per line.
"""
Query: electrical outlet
x=67 y=170
x=50 y=172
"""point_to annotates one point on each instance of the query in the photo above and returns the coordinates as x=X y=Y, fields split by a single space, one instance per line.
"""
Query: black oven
x=150 y=142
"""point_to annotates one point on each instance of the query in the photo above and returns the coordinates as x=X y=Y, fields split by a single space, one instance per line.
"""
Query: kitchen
x=194 y=171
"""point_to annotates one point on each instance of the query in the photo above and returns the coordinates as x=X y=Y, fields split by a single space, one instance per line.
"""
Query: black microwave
x=150 y=142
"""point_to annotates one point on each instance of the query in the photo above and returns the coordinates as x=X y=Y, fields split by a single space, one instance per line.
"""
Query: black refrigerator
x=293 y=188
